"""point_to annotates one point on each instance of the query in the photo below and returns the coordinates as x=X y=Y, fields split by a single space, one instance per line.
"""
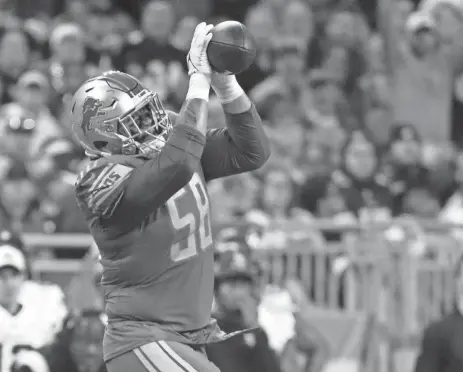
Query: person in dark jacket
x=237 y=302
x=442 y=343
x=86 y=339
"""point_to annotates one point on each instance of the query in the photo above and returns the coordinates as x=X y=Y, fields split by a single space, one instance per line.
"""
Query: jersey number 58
x=189 y=209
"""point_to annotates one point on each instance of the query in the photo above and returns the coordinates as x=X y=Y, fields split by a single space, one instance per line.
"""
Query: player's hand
x=197 y=57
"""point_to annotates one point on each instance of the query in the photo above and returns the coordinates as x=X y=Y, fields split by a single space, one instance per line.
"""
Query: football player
x=145 y=199
x=32 y=314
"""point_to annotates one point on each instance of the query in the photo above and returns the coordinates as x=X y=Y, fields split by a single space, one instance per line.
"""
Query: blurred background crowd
x=362 y=100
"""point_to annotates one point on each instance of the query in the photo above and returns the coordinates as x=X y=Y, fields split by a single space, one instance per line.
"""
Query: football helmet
x=114 y=114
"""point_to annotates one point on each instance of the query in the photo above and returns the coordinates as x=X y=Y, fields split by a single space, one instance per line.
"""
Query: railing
x=403 y=279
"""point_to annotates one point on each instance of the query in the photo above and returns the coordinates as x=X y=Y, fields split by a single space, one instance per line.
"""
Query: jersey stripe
x=108 y=189
x=175 y=357
x=99 y=197
x=99 y=179
x=150 y=367
x=164 y=359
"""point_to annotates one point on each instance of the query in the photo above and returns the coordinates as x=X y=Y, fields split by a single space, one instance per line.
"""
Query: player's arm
x=243 y=145
x=114 y=191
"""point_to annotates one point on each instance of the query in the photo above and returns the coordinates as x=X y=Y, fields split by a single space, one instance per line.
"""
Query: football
x=231 y=49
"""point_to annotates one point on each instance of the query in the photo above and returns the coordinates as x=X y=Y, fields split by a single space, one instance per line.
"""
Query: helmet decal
x=90 y=111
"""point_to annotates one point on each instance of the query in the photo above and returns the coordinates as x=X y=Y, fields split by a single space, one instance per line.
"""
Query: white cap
x=12 y=257
x=33 y=77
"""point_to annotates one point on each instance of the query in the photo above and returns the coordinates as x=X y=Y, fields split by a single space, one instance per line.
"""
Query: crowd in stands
x=361 y=100
x=321 y=82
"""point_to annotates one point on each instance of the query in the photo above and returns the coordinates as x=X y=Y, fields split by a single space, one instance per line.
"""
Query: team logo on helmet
x=90 y=111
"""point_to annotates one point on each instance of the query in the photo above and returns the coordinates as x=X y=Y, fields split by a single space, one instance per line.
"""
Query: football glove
x=197 y=56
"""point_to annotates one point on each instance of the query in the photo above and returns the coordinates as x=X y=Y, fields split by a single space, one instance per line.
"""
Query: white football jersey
x=38 y=322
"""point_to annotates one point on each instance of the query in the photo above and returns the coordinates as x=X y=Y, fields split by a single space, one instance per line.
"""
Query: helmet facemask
x=145 y=129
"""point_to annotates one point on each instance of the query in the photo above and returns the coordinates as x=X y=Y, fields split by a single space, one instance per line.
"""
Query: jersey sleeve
x=240 y=147
x=115 y=190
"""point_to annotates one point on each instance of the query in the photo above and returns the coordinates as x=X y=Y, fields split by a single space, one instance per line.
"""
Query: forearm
x=194 y=110
x=238 y=105
x=241 y=147
x=142 y=186
x=233 y=98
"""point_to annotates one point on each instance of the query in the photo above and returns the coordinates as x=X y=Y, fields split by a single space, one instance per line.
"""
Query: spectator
x=63 y=89
x=20 y=207
x=356 y=179
x=233 y=198
x=440 y=166
x=31 y=95
x=402 y=167
x=342 y=42
x=260 y=23
x=67 y=44
x=15 y=55
x=425 y=79
x=85 y=342
x=442 y=340
x=288 y=79
x=33 y=314
x=74 y=11
x=150 y=56
x=453 y=209
x=237 y=309
x=376 y=117
x=328 y=202
x=298 y=23
x=17 y=129
x=106 y=34
x=421 y=202
x=288 y=138
x=317 y=158
x=181 y=39
x=231 y=9
x=276 y=200
x=326 y=111
x=57 y=178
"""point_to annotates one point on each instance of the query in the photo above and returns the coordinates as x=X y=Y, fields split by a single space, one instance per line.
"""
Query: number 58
x=200 y=235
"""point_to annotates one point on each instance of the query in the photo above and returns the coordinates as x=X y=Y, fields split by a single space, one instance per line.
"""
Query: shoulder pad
x=100 y=186
x=92 y=167
x=101 y=173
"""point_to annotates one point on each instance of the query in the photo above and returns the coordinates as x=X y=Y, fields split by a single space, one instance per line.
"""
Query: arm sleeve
x=242 y=146
x=430 y=358
x=118 y=190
